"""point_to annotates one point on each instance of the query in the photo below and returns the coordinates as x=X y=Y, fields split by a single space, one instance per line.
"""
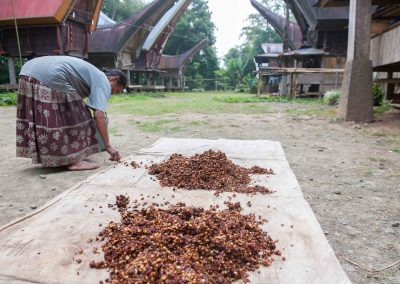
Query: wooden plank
x=396 y=106
x=135 y=86
x=384 y=48
x=47 y=242
x=301 y=70
x=389 y=81
x=9 y=87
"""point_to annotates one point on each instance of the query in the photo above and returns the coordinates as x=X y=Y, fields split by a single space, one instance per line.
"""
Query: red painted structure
x=47 y=27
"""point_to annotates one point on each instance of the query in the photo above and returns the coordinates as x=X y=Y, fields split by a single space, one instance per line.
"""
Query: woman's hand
x=114 y=154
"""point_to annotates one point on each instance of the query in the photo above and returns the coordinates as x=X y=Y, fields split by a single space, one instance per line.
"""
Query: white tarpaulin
x=43 y=247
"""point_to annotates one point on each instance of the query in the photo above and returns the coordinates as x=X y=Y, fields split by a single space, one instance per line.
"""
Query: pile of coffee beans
x=211 y=170
x=183 y=244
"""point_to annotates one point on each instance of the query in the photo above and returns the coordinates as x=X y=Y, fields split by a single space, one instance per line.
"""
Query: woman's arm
x=101 y=124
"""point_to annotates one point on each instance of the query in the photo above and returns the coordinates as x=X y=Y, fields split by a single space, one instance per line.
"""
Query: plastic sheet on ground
x=44 y=246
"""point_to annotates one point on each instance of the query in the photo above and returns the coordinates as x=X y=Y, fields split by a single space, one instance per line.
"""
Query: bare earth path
x=349 y=173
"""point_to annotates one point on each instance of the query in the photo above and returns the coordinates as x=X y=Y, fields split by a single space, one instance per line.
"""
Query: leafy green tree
x=238 y=61
x=222 y=80
x=119 y=10
x=195 y=25
x=238 y=65
x=4 y=76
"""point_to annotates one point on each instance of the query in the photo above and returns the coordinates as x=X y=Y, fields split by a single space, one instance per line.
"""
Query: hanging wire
x=16 y=30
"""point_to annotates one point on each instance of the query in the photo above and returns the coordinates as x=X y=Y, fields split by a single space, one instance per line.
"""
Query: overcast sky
x=229 y=17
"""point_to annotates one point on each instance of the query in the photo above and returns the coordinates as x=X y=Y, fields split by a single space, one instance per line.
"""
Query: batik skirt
x=53 y=128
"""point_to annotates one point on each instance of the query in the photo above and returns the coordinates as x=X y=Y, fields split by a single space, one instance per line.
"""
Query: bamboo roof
x=130 y=33
x=317 y=17
x=278 y=23
x=171 y=62
x=161 y=31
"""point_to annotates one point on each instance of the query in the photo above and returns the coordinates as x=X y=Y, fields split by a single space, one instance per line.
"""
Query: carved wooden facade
x=384 y=51
x=47 y=27
x=118 y=46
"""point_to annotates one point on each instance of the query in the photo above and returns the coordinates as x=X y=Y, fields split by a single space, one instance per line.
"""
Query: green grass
x=395 y=150
x=380 y=134
x=266 y=99
x=381 y=109
x=178 y=103
x=378 y=160
x=113 y=130
x=163 y=125
x=205 y=102
x=369 y=173
x=198 y=122
x=8 y=99
x=313 y=111
x=120 y=98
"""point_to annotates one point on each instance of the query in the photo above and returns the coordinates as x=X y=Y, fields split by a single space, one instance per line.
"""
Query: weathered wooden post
x=390 y=87
x=11 y=71
x=128 y=76
x=356 y=103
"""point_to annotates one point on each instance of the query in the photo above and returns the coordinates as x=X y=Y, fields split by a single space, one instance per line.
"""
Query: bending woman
x=55 y=126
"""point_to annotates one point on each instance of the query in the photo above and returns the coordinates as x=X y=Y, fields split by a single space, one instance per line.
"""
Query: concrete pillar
x=356 y=102
x=11 y=71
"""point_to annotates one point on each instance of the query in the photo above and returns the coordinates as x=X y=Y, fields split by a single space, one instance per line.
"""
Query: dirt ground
x=349 y=173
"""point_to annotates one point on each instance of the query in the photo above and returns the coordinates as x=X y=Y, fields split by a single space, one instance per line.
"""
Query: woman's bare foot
x=83 y=166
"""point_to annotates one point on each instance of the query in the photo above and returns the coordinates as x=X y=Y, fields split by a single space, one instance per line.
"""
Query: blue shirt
x=71 y=75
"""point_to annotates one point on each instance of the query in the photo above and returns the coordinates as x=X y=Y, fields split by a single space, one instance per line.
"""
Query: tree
x=4 y=76
x=238 y=61
x=119 y=10
x=195 y=25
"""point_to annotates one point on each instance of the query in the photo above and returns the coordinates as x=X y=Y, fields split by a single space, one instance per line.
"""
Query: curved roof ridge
x=177 y=61
x=278 y=22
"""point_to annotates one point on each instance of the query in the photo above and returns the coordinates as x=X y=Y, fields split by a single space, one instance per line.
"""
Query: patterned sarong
x=53 y=128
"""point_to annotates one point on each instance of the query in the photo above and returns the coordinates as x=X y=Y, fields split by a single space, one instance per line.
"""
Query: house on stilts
x=316 y=63
x=35 y=28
